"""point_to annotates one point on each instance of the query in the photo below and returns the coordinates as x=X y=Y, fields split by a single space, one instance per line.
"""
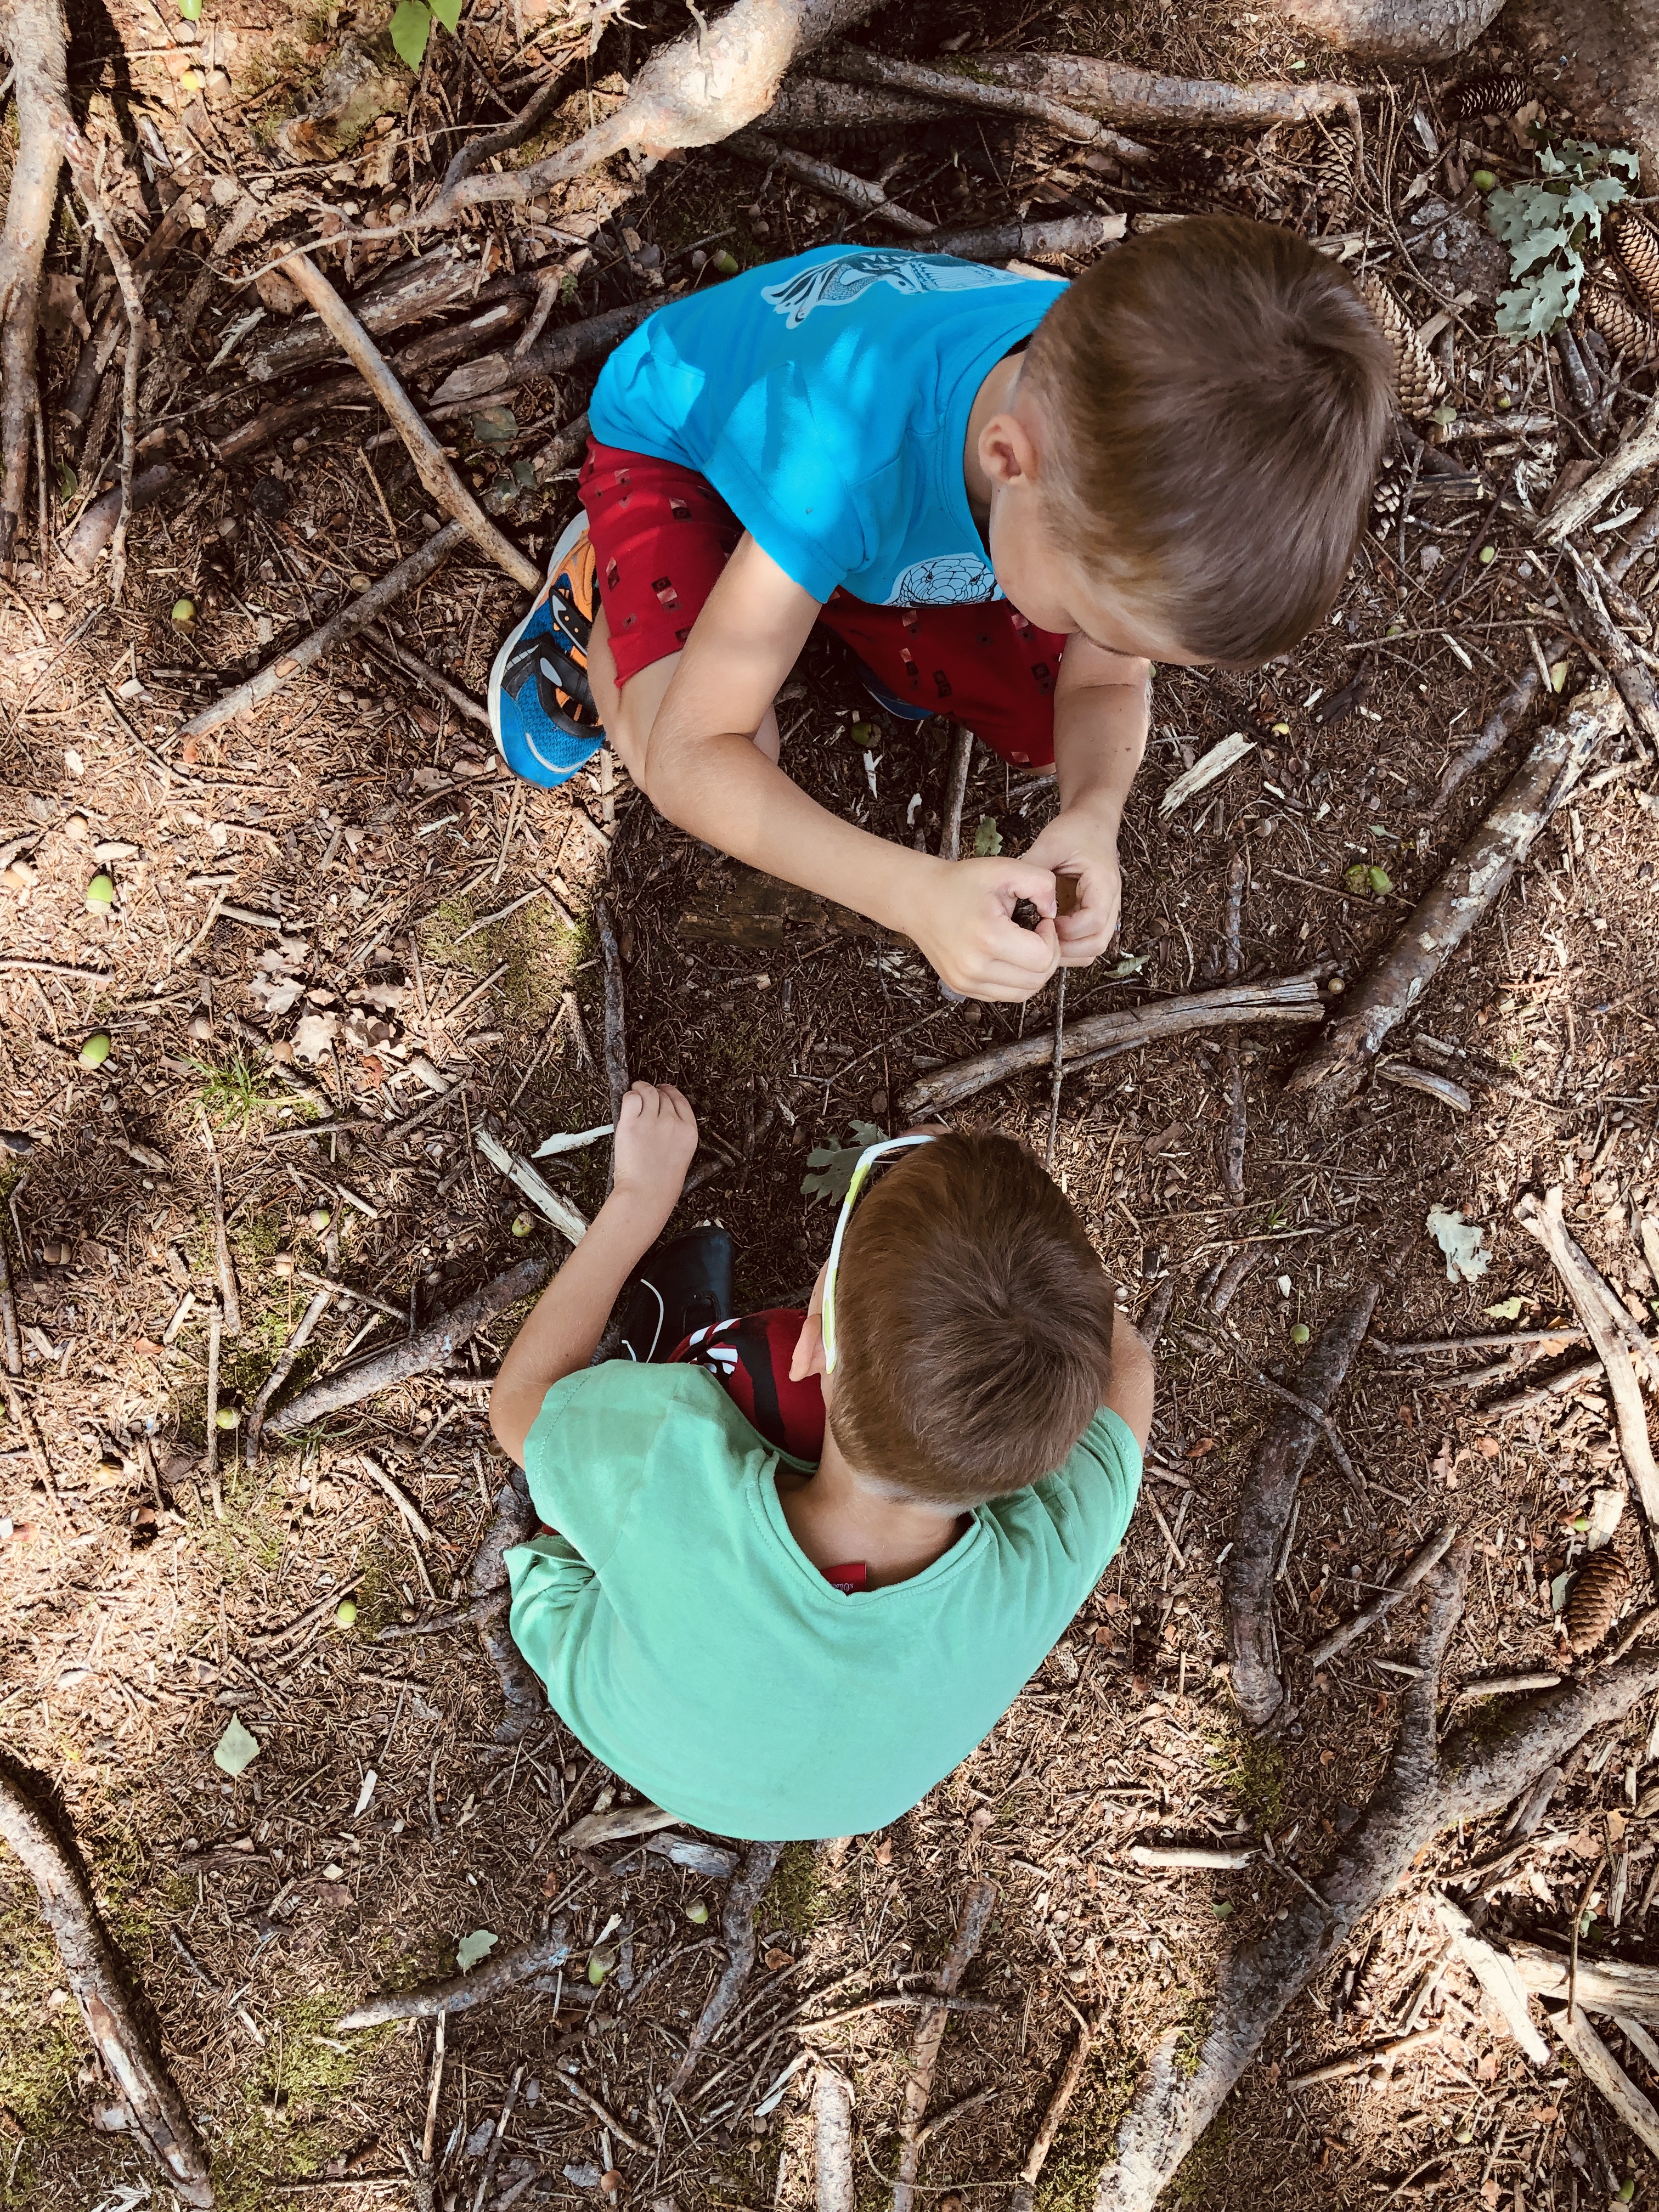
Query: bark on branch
x=737 y=1927
x=1464 y=895
x=31 y=31
x=99 y=1985
x=1264 y=1512
x=1289 y=999
x=1140 y=98
x=467 y=1991
x=437 y=1341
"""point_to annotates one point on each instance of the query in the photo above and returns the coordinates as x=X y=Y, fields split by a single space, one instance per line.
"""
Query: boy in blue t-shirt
x=1008 y=495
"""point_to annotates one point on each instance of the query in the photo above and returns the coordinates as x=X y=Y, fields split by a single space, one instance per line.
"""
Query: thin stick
x=976 y=1912
x=1314 y=1414
x=222 y=1265
x=829 y=177
x=1426 y=1557
x=1025 y=2195
x=438 y=1341
x=1233 y=1155
x=1577 y=1922
x=743 y=1897
x=435 y=470
x=412 y=664
x=1059 y=1076
x=832 y=2120
x=488 y=2173
x=216 y=1327
x=956 y=794
x=466 y=1991
x=78 y=154
x=8 y=1312
x=616 y=1031
x=280 y=1373
x=356 y=614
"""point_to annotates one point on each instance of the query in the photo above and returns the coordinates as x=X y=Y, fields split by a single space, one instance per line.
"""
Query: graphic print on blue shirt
x=826 y=398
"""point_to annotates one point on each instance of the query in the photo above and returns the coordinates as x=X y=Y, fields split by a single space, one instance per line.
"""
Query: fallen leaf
x=1460 y=1241
x=885 y=1852
x=478 y=1945
x=314 y=1035
x=1505 y=1309
x=777 y=1958
x=236 y=1749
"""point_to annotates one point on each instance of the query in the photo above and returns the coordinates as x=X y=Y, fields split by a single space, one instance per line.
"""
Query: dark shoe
x=684 y=1285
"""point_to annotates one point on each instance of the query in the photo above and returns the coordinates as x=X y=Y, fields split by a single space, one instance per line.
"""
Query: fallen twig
x=1192 y=1858
x=1289 y=998
x=832 y=2125
x=435 y=470
x=1137 y=97
x=1427 y=1557
x=466 y=1991
x=1624 y=661
x=566 y=1219
x=1232 y=1155
x=1339 y=1450
x=440 y=1339
x=482 y=1608
x=1639 y=451
x=344 y=623
x=1465 y=894
x=1264 y=1512
x=1617 y=1339
x=1477 y=1773
x=1024 y=2196
x=284 y=1367
x=14 y=1343
x=1068 y=237
x=412 y=664
x=976 y=1910
x=31 y=31
x=1495 y=733
x=1602 y=2069
x=1505 y=1992
x=738 y=1928
x=616 y=1024
x=1379 y=2059
x=829 y=177
x=96 y=525
x=79 y=155
x=97 y=1981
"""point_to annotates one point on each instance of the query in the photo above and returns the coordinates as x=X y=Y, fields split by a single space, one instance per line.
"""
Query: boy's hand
x=1080 y=844
x=656 y=1139
x=964 y=924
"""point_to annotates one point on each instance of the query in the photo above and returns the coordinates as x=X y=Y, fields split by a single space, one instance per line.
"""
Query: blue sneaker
x=541 y=707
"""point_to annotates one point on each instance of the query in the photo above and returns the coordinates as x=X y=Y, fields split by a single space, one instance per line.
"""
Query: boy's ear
x=1008 y=453
x=808 y=1355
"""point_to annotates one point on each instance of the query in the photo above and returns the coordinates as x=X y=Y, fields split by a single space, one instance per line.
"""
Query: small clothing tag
x=854 y=1576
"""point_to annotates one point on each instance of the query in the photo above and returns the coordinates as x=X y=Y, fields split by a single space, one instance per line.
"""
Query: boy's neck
x=837 y=1519
x=991 y=400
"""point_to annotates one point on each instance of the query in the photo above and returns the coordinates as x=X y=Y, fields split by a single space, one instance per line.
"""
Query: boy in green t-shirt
x=769 y=1650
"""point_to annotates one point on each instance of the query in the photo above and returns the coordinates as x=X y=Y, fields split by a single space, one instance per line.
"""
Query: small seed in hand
x=319 y=1217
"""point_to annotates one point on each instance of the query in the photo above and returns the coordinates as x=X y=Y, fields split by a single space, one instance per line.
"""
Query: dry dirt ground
x=422 y=901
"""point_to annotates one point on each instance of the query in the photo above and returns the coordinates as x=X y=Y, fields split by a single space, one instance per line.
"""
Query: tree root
x=870 y=201
x=94 y=1971
x=971 y=90
x=737 y=1927
x=1289 y=999
x=1138 y=98
x=467 y=1991
x=1476 y=1772
x=694 y=92
x=976 y=1909
x=810 y=103
x=615 y=1019
x=1403 y=30
x=31 y=31
x=1024 y=2196
x=439 y=1340
x=1465 y=894
x=1264 y=1512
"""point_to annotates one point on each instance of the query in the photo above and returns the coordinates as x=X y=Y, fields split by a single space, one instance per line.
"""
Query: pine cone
x=1637 y=247
x=1598 y=1588
x=1625 y=330
x=1333 y=177
x=1487 y=95
x=1416 y=375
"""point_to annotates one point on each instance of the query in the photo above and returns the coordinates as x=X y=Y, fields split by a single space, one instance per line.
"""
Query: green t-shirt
x=692 y=1645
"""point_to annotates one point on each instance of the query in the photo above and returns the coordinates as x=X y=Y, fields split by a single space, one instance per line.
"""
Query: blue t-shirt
x=826 y=399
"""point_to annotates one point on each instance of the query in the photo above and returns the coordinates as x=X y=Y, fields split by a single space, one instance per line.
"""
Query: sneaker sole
x=568 y=538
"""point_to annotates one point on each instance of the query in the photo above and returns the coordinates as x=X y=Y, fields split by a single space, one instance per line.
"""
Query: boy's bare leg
x=628 y=714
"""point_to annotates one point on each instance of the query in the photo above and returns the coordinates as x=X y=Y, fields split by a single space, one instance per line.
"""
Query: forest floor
x=403 y=906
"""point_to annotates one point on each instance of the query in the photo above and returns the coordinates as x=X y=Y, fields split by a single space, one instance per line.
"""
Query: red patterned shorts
x=661 y=536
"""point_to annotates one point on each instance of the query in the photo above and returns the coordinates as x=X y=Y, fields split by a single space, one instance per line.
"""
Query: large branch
x=1404 y=30
x=431 y=465
x=1465 y=894
x=1289 y=999
x=439 y=1340
x=1134 y=96
x=1264 y=1512
x=1640 y=451
x=31 y=31
x=99 y=1985
x=467 y=1991
x=737 y=1927
x=414 y=291
x=965 y=86
x=694 y=92
x=976 y=1910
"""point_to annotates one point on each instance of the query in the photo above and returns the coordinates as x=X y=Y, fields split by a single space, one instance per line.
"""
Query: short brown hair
x=1218 y=395
x=973 y=1324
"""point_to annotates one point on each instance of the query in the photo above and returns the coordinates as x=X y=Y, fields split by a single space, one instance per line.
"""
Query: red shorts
x=661 y=536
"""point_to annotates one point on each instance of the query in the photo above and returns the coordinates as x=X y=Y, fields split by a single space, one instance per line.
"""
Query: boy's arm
x=656 y=1138
x=704 y=773
x=1102 y=709
x=1134 y=1380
